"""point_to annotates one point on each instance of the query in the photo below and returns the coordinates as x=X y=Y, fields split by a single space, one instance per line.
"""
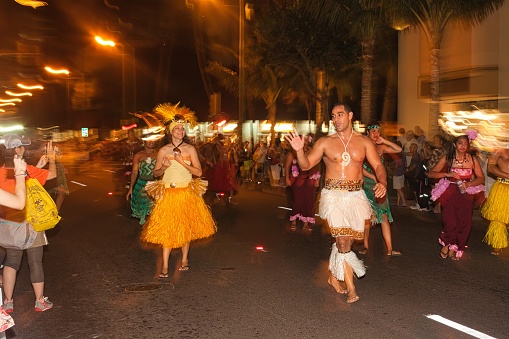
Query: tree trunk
x=271 y=108
x=320 y=98
x=390 y=96
x=434 y=108
x=367 y=108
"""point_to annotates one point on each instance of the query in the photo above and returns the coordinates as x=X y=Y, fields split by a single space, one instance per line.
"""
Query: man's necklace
x=345 y=156
x=177 y=149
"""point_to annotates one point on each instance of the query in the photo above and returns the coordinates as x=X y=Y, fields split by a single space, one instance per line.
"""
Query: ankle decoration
x=338 y=260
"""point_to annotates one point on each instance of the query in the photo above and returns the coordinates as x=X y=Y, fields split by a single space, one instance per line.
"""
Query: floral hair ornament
x=310 y=139
x=471 y=134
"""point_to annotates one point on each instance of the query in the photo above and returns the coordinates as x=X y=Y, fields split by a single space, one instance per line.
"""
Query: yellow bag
x=40 y=210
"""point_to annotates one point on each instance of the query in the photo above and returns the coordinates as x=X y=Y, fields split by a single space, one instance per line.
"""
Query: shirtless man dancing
x=343 y=203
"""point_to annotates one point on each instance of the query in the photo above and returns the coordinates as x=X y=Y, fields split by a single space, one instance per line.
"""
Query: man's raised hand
x=295 y=140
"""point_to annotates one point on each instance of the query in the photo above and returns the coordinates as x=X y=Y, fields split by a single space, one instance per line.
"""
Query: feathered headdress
x=173 y=113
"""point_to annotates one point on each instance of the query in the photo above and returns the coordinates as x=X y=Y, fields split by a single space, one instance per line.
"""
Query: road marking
x=78 y=183
x=289 y=209
x=459 y=327
x=108 y=171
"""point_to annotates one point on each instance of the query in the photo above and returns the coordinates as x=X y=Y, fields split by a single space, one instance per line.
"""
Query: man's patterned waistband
x=343 y=185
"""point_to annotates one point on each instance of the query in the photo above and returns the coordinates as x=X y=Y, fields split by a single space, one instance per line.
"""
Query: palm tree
x=312 y=52
x=263 y=82
x=367 y=22
x=433 y=17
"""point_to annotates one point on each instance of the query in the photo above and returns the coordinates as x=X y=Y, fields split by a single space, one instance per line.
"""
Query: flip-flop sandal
x=184 y=268
x=393 y=253
x=163 y=275
x=363 y=251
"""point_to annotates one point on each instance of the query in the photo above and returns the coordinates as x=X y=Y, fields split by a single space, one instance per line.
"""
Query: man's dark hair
x=347 y=107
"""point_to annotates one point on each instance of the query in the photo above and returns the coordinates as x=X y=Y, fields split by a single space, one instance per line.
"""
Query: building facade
x=474 y=65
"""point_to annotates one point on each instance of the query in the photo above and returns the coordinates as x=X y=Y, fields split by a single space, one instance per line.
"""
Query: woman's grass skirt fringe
x=178 y=218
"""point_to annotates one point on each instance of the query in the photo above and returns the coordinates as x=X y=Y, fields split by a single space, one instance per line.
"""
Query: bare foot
x=352 y=297
x=336 y=284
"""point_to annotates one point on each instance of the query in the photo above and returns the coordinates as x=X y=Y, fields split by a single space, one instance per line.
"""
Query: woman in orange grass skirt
x=180 y=214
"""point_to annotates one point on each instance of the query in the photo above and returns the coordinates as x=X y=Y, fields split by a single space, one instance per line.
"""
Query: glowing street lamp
x=30 y=87
x=18 y=94
x=103 y=42
x=111 y=43
x=13 y=128
x=67 y=89
x=31 y=3
x=56 y=71
x=11 y=100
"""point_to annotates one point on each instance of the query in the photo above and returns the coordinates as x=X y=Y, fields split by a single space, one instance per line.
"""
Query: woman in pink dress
x=456 y=189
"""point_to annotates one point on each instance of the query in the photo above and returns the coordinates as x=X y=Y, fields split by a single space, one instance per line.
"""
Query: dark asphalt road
x=104 y=285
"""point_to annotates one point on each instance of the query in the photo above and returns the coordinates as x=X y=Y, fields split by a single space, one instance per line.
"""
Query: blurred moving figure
x=259 y=156
x=59 y=186
x=128 y=148
x=303 y=185
x=13 y=143
x=224 y=173
x=414 y=174
x=433 y=153
x=142 y=172
x=274 y=163
x=398 y=178
x=496 y=207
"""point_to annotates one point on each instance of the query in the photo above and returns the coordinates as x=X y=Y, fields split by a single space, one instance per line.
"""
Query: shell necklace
x=177 y=149
x=345 y=156
x=148 y=159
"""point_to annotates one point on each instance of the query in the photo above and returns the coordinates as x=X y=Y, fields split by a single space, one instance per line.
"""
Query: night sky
x=166 y=61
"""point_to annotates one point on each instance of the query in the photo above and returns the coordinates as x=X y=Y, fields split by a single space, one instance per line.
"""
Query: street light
x=13 y=94
x=67 y=90
x=56 y=71
x=242 y=73
x=11 y=100
x=110 y=43
x=30 y=87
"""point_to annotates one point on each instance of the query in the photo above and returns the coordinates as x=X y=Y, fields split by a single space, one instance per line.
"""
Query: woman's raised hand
x=20 y=166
